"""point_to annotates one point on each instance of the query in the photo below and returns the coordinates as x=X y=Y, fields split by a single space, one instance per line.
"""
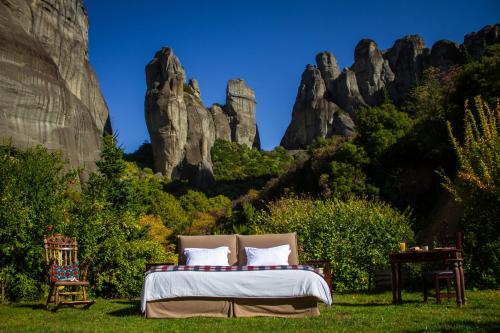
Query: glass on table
x=402 y=246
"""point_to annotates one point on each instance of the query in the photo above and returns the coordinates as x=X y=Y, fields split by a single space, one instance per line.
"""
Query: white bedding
x=235 y=284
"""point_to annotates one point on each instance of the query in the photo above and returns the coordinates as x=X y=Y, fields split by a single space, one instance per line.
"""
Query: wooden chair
x=64 y=273
x=446 y=275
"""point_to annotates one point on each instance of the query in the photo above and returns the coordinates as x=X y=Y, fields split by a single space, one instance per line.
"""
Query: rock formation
x=240 y=106
x=166 y=112
x=373 y=72
x=445 y=54
x=314 y=115
x=476 y=42
x=221 y=122
x=182 y=130
x=406 y=59
x=345 y=92
x=324 y=91
x=327 y=65
x=197 y=164
x=49 y=93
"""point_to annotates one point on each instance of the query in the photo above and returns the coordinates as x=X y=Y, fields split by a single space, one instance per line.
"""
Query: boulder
x=49 y=94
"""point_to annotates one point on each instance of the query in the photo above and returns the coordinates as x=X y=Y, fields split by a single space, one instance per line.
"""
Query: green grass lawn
x=349 y=313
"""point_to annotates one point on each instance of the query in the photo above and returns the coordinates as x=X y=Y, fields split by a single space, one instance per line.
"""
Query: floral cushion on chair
x=64 y=273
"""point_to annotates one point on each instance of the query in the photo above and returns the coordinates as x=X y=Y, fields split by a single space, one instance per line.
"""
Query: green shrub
x=170 y=210
x=195 y=201
x=355 y=235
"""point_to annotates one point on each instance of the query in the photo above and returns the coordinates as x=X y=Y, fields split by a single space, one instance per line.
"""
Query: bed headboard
x=237 y=243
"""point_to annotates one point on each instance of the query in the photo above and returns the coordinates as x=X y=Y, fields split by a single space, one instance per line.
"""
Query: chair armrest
x=149 y=265
x=327 y=270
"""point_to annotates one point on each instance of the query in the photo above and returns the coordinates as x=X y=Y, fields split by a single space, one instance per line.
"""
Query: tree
x=345 y=175
x=380 y=127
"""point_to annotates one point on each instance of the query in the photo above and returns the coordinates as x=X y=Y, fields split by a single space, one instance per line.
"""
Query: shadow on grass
x=361 y=304
x=131 y=311
x=37 y=306
x=371 y=304
x=462 y=325
x=129 y=302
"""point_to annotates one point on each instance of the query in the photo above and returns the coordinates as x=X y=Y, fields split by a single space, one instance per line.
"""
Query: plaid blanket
x=176 y=268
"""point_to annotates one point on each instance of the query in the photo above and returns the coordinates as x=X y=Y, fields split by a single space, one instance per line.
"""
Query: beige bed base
x=241 y=307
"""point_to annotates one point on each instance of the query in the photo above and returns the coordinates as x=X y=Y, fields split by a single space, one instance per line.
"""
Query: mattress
x=265 y=284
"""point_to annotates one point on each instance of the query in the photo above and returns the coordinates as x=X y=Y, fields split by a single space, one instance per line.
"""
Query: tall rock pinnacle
x=240 y=107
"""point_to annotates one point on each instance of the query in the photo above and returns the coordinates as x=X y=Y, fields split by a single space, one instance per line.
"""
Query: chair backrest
x=61 y=250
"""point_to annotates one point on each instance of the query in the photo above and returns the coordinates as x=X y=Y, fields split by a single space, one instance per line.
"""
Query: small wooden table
x=454 y=255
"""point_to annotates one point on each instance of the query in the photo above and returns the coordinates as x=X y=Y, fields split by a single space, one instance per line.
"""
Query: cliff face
x=324 y=91
x=49 y=93
x=182 y=130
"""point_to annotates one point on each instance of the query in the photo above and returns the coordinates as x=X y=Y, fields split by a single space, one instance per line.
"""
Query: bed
x=238 y=290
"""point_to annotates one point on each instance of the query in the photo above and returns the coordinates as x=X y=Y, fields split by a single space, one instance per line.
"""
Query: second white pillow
x=207 y=257
x=271 y=256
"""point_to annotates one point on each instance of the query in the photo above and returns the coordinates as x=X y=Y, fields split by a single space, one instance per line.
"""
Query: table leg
x=462 y=283
x=394 y=283
x=458 y=284
x=400 y=300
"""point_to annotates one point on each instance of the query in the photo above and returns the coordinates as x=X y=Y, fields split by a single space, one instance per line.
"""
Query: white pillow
x=207 y=257
x=271 y=256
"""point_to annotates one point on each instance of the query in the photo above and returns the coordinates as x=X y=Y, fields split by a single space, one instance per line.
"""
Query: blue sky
x=267 y=43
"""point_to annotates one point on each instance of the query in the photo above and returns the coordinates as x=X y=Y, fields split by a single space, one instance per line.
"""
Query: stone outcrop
x=406 y=59
x=49 y=94
x=346 y=92
x=182 y=130
x=314 y=115
x=476 y=42
x=240 y=107
x=373 y=72
x=324 y=91
x=327 y=65
x=445 y=54
x=221 y=122
x=197 y=164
